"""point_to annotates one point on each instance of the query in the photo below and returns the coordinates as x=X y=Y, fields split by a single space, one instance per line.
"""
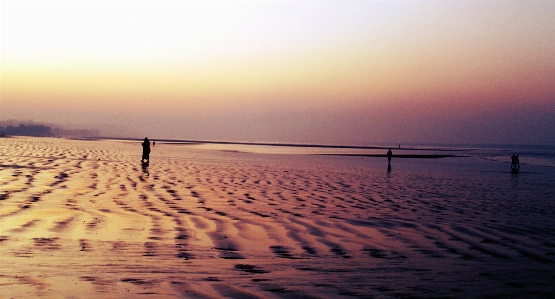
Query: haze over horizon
x=336 y=72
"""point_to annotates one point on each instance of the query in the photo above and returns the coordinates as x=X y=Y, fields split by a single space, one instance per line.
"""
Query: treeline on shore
x=41 y=130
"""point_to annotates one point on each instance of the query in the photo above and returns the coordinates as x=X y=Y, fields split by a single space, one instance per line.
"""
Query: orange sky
x=284 y=71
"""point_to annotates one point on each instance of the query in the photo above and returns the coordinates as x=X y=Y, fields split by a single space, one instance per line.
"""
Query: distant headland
x=37 y=129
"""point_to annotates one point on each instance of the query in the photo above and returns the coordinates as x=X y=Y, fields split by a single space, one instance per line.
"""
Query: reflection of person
x=144 y=166
x=389 y=154
x=146 y=151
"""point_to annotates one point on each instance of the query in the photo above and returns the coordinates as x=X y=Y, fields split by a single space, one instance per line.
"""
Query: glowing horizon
x=207 y=61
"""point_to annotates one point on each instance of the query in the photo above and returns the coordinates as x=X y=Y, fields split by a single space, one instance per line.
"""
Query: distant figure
x=146 y=151
x=399 y=146
x=389 y=155
x=515 y=164
x=153 y=143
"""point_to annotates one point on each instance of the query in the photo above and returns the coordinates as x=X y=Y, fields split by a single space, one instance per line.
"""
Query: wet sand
x=83 y=219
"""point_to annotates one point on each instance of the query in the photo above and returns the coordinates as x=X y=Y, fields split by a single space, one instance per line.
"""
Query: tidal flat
x=84 y=219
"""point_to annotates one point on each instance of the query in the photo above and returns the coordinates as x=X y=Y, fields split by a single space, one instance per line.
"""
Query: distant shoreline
x=394 y=156
x=189 y=142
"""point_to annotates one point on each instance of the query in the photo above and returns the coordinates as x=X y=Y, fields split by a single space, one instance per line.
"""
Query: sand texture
x=83 y=219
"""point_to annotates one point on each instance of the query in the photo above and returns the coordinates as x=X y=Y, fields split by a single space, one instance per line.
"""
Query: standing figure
x=389 y=155
x=515 y=164
x=146 y=151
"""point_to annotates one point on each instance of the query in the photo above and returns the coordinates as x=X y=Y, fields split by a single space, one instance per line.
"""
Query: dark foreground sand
x=82 y=219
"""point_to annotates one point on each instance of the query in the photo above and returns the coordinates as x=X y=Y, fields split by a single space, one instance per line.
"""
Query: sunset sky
x=342 y=72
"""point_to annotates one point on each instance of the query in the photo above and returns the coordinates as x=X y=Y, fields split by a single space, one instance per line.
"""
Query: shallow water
x=533 y=155
x=82 y=219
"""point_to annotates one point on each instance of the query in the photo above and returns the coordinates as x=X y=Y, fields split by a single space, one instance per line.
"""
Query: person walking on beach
x=146 y=151
x=515 y=164
x=389 y=155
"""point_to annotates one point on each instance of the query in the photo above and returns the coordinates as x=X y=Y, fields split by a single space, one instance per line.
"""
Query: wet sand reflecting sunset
x=83 y=219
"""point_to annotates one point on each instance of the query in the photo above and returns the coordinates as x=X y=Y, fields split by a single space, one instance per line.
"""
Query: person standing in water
x=389 y=155
x=146 y=151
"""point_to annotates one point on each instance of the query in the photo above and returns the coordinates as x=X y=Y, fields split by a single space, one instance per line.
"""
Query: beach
x=84 y=219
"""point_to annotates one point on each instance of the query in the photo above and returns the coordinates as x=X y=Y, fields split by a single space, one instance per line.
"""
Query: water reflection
x=144 y=167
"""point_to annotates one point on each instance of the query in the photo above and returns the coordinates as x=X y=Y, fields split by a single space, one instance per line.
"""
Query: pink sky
x=328 y=72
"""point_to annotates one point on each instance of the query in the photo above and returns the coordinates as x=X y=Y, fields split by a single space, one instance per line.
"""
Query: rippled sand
x=83 y=219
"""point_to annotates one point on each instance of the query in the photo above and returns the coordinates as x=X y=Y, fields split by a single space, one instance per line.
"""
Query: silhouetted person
x=515 y=164
x=389 y=155
x=146 y=151
x=153 y=143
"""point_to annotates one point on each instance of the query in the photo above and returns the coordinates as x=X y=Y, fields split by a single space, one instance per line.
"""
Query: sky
x=331 y=72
